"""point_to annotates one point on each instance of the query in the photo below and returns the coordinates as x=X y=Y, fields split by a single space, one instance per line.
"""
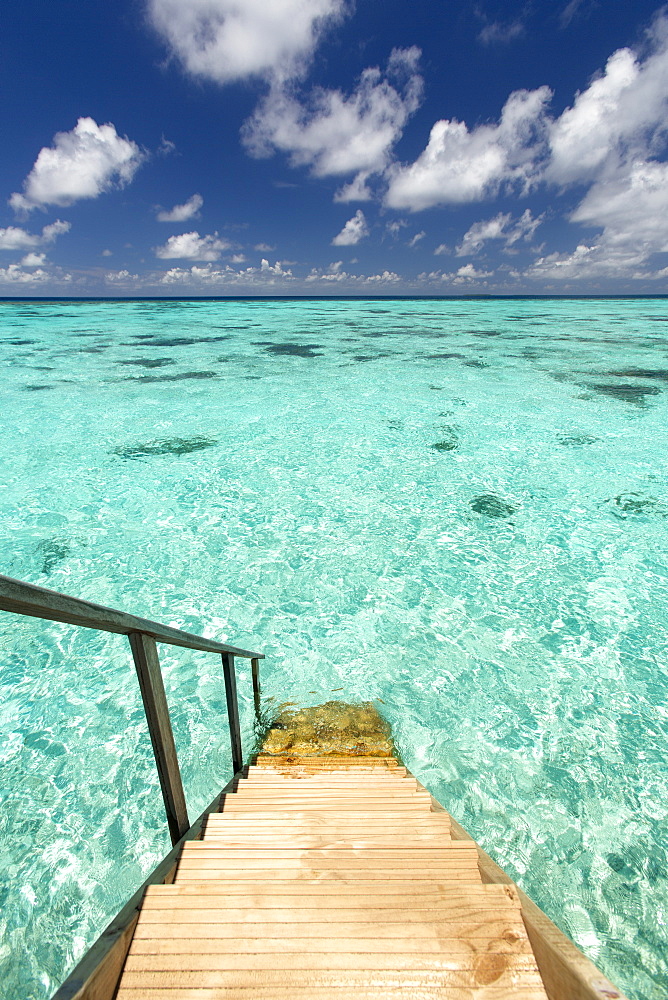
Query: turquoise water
x=456 y=508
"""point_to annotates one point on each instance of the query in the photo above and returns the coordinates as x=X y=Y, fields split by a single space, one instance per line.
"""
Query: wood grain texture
x=329 y=878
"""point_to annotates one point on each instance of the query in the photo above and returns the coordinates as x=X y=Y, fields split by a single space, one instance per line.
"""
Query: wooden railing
x=38 y=602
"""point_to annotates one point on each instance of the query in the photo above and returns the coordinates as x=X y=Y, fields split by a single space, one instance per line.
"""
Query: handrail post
x=145 y=654
x=255 y=670
x=232 y=711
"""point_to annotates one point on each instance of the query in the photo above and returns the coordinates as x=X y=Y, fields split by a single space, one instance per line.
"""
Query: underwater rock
x=661 y=374
x=52 y=551
x=476 y=364
x=627 y=393
x=148 y=362
x=166 y=446
x=293 y=350
x=177 y=341
x=169 y=378
x=635 y=503
x=492 y=506
x=576 y=440
x=335 y=727
x=450 y=441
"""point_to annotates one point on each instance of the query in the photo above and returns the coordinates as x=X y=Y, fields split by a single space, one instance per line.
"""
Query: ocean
x=457 y=509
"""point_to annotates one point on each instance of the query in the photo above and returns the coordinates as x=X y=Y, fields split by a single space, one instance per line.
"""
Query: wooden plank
x=325 y=875
x=312 y=960
x=145 y=654
x=451 y=852
x=427 y=894
x=295 y=992
x=355 y=885
x=39 y=602
x=299 y=914
x=501 y=968
x=332 y=895
x=426 y=930
x=435 y=944
x=372 y=838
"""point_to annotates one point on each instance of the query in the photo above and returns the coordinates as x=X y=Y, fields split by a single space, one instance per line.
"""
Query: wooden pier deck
x=328 y=878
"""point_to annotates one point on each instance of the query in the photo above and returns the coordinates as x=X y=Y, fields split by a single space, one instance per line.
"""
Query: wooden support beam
x=232 y=711
x=255 y=669
x=145 y=655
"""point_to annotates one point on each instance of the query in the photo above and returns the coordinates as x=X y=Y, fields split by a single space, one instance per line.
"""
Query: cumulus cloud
x=80 y=164
x=629 y=205
x=622 y=112
x=15 y=238
x=461 y=165
x=335 y=274
x=15 y=275
x=333 y=133
x=181 y=213
x=501 y=227
x=354 y=230
x=356 y=190
x=265 y=274
x=224 y=40
x=33 y=259
x=192 y=246
x=120 y=277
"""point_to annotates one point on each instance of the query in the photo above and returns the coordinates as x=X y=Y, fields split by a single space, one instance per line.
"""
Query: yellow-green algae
x=333 y=728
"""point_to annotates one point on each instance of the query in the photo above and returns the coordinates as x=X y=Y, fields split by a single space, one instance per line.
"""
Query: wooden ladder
x=329 y=878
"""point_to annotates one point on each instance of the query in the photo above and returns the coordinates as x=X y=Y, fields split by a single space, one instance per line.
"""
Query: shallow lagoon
x=456 y=509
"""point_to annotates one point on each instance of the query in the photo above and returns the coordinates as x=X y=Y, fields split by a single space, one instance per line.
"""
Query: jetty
x=323 y=871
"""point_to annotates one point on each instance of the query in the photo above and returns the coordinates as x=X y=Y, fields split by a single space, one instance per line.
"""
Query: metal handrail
x=38 y=602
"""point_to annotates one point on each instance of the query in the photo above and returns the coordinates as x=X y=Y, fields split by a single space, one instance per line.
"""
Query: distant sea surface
x=457 y=509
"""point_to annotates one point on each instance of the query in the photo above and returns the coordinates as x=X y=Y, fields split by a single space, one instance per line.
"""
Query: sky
x=332 y=147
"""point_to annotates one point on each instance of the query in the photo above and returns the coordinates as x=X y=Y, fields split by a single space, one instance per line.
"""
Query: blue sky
x=213 y=147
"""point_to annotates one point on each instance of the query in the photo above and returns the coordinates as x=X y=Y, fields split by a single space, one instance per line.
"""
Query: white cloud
x=14 y=275
x=120 y=277
x=225 y=40
x=413 y=242
x=356 y=190
x=459 y=165
x=14 y=238
x=238 y=258
x=265 y=274
x=336 y=274
x=354 y=230
x=498 y=228
x=386 y=277
x=498 y=33
x=333 y=133
x=621 y=113
x=107 y=253
x=263 y=247
x=395 y=227
x=630 y=206
x=469 y=273
x=82 y=163
x=192 y=246
x=33 y=259
x=441 y=249
x=181 y=213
